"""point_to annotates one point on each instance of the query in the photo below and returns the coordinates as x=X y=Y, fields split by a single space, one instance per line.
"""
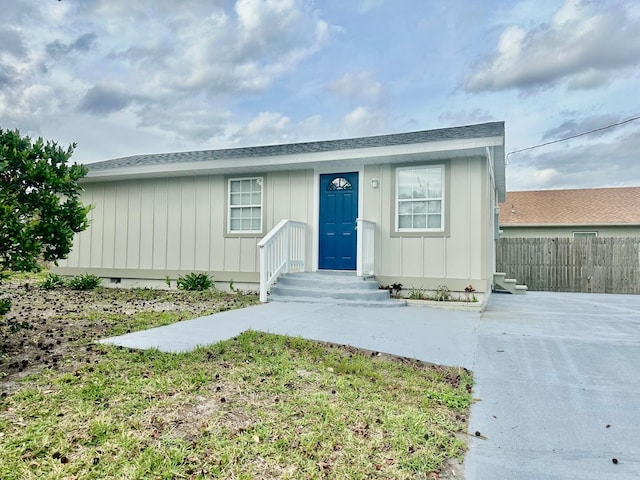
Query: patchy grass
x=258 y=406
x=52 y=328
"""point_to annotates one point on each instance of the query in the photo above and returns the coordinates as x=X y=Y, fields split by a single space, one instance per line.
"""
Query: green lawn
x=256 y=406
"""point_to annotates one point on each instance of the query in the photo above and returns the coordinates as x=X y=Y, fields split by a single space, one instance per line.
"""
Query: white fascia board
x=499 y=172
x=385 y=154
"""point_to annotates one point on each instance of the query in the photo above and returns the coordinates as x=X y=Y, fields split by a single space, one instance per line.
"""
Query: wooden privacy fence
x=598 y=265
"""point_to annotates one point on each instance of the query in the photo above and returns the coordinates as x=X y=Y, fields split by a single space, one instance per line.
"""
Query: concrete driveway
x=557 y=375
x=558 y=378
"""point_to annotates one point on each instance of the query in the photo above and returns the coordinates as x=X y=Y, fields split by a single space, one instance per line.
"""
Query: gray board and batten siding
x=165 y=214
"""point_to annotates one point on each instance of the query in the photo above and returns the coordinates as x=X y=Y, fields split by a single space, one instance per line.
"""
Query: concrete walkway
x=440 y=336
x=557 y=375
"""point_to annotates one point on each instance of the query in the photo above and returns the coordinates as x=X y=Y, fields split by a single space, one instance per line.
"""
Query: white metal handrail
x=365 y=266
x=282 y=250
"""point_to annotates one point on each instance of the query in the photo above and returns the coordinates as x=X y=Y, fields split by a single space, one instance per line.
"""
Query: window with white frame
x=420 y=199
x=245 y=205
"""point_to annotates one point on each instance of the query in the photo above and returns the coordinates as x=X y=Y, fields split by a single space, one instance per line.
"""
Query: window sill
x=419 y=234
x=244 y=234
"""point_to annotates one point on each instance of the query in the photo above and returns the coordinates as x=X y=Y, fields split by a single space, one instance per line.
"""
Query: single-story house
x=416 y=208
x=588 y=212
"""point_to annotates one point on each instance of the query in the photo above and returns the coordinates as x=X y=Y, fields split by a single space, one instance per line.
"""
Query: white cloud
x=465 y=117
x=366 y=5
x=362 y=121
x=575 y=126
x=583 y=44
x=588 y=80
x=266 y=128
x=119 y=56
x=606 y=162
x=188 y=118
x=249 y=50
x=362 y=86
x=530 y=178
x=270 y=128
x=39 y=100
x=268 y=122
x=11 y=42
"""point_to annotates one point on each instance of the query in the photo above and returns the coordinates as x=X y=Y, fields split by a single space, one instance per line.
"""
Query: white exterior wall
x=169 y=226
x=151 y=228
x=457 y=257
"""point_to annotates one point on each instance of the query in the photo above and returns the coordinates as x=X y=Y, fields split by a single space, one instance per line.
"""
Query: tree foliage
x=40 y=207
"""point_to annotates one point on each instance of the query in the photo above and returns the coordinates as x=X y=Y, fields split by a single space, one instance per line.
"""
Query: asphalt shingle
x=572 y=207
x=482 y=130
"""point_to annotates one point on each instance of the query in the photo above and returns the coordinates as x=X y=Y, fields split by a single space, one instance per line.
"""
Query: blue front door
x=338 y=213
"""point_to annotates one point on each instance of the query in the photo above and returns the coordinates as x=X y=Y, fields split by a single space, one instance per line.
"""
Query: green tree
x=40 y=207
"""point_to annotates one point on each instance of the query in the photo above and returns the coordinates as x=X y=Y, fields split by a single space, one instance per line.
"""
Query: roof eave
x=372 y=155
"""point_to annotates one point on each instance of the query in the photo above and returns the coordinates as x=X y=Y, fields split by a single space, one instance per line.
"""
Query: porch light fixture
x=374 y=183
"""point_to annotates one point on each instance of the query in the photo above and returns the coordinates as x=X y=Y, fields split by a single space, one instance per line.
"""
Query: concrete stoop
x=337 y=288
x=503 y=284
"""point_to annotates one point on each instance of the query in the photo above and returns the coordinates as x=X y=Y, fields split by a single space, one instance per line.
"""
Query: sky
x=122 y=78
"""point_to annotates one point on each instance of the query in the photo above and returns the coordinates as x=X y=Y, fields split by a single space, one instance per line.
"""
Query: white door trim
x=315 y=227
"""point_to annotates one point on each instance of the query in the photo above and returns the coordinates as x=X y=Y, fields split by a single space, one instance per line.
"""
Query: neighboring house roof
x=592 y=206
x=469 y=140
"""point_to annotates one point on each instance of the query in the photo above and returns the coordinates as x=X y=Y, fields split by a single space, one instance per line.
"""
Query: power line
x=575 y=136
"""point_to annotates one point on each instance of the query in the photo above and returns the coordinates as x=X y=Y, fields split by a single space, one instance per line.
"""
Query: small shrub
x=5 y=306
x=442 y=293
x=394 y=289
x=195 y=282
x=86 y=281
x=468 y=292
x=52 y=281
x=416 y=293
x=14 y=326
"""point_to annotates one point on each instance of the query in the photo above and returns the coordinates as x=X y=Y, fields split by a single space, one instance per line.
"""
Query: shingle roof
x=593 y=206
x=482 y=130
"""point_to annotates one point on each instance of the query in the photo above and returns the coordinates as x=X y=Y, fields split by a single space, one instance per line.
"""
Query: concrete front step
x=389 y=303
x=335 y=287
x=326 y=281
x=508 y=284
x=338 y=293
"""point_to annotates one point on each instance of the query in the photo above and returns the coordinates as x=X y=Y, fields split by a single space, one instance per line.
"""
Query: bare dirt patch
x=56 y=329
